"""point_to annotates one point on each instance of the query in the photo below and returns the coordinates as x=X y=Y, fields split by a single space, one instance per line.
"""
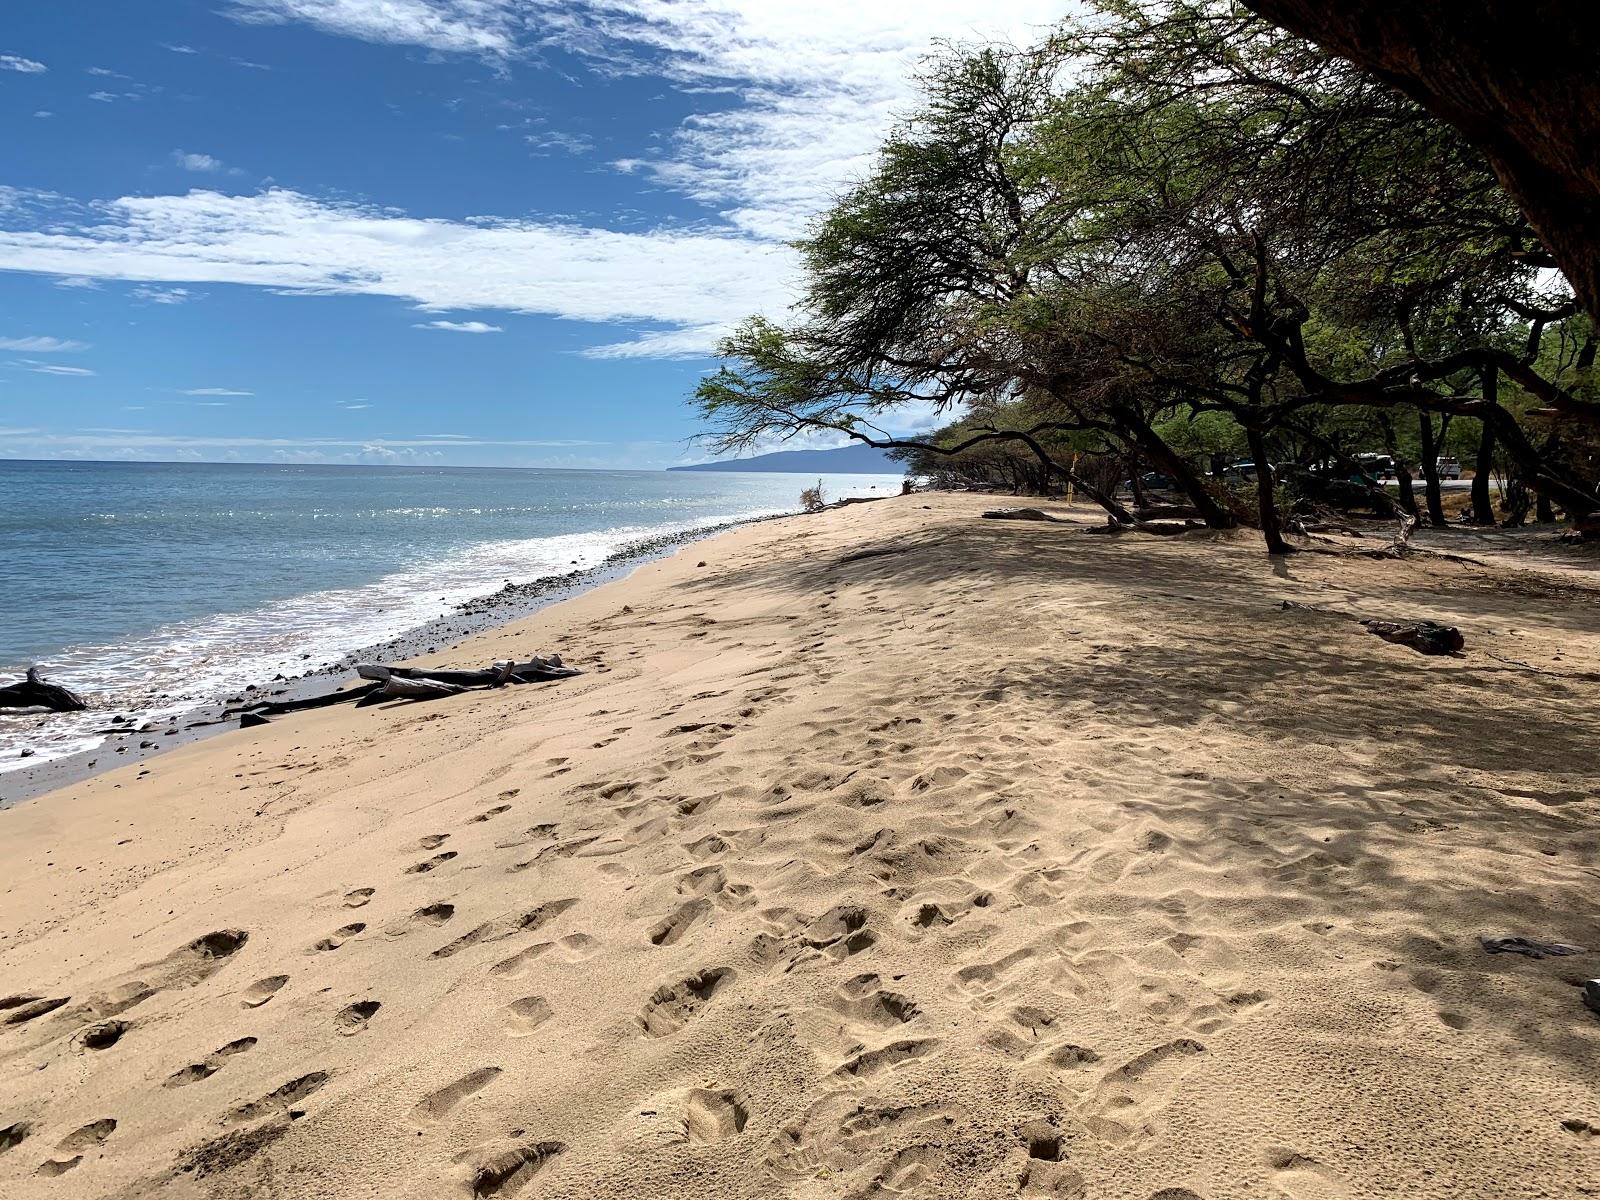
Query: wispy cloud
x=159 y=295
x=472 y=26
x=352 y=405
x=41 y=345
x=27 y=66
x=215 y=391
x=460 y=326
x=688 y=279
x=81 y=282
x=805 y=94
x=196 y=162
x=179 y=49
x=816 y=84
x=41 y=368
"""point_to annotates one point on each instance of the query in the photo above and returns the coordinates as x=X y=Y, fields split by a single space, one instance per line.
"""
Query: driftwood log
x=1425 y=637
x=1017 y=514
x=34 y=692
x=411 y=683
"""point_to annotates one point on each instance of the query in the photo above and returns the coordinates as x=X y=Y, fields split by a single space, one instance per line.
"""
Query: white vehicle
x=1448 y=468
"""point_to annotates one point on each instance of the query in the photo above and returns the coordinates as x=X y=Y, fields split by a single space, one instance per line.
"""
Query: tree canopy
x=1167 y=236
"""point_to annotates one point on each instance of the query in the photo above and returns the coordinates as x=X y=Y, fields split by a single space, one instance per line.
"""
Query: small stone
x=1591 y=994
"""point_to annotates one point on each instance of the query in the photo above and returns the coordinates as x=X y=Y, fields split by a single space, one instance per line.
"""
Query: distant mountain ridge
x=845 y=460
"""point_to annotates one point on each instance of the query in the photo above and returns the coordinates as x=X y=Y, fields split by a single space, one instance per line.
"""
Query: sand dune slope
x=889 y=853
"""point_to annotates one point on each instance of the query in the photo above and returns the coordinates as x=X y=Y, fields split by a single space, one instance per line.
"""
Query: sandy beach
x=889 y=852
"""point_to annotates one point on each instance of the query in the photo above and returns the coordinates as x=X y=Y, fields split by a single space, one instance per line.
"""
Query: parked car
x=1379 y=466
x=1448 y=468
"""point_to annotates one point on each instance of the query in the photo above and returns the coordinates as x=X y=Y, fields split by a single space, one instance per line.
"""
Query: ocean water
x=156 y=587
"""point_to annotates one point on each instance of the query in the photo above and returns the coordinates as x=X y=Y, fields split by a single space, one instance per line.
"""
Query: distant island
x=845 y=460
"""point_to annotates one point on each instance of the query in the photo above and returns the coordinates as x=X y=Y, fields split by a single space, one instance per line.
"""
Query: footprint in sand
x=429 y=864
x=509 y=1171
x=13 y=1134
x=1296 y=1176
x=433 y=841
x=358 y=897
x=524 y=1016
x=672 y=1005
x=210 y=1065
x=262 y=990
x=102 y=1036
x=338 y=937
x=71 y=1149
x=678 y=922
x=712 y=1115
x=1128 y=1098
x=439 y=1104
x=280 y=1100
x=21 y=1009
x=353 y=1018
x=863 y=1000
x=434 y=914
x=870 y=1063
x=489 y=814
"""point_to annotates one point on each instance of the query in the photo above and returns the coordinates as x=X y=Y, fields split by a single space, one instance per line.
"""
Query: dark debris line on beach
x=411 y=683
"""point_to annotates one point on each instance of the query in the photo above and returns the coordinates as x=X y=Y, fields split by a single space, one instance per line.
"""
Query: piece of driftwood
x=535 y=670
x=274 y=708
x=1168 y=512
x=1017 y=514
x=1158 y=528
x=34 y=692
x=413 y=683
x=1425 y=637
x=398 y=687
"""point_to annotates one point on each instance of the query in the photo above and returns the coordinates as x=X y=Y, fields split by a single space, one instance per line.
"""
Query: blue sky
x=501 y=232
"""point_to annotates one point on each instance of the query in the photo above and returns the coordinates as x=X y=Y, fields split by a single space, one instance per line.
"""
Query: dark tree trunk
x=1430 y=470
x=1518 y=80
x=1271 y=526
x=1544 y=512
x=1170 y=463
x=1402 y=473
x=1482 y=505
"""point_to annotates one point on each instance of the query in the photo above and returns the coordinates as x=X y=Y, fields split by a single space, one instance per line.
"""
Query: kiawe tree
x=1173 y=212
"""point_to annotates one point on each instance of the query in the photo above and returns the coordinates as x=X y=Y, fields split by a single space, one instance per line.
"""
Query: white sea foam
x=155 y=679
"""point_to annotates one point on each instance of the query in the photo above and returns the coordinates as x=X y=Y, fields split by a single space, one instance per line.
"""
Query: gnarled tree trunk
x=1517 y=79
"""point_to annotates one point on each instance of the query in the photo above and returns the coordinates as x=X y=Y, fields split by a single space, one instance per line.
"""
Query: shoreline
x=471 y=617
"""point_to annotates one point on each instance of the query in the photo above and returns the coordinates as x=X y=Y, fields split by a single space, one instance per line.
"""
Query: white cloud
x=801 y=96
x=692 y=342
x=156 y=295
x=179 y=49
x=474 y=26
x=215 y=391
x=13 y=62
x=461 y=326
x=816 y=84
x=685 y=278
x=40 y=368
x=41 y=345
x=196 y=162
x=43 y=113
x=352 y=405
x=103 y=97
x=80 y=282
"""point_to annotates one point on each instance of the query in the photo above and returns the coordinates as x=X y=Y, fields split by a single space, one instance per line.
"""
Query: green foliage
x=1164 y=226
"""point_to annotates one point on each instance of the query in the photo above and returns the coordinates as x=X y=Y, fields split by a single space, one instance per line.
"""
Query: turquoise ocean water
x=153 y=587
